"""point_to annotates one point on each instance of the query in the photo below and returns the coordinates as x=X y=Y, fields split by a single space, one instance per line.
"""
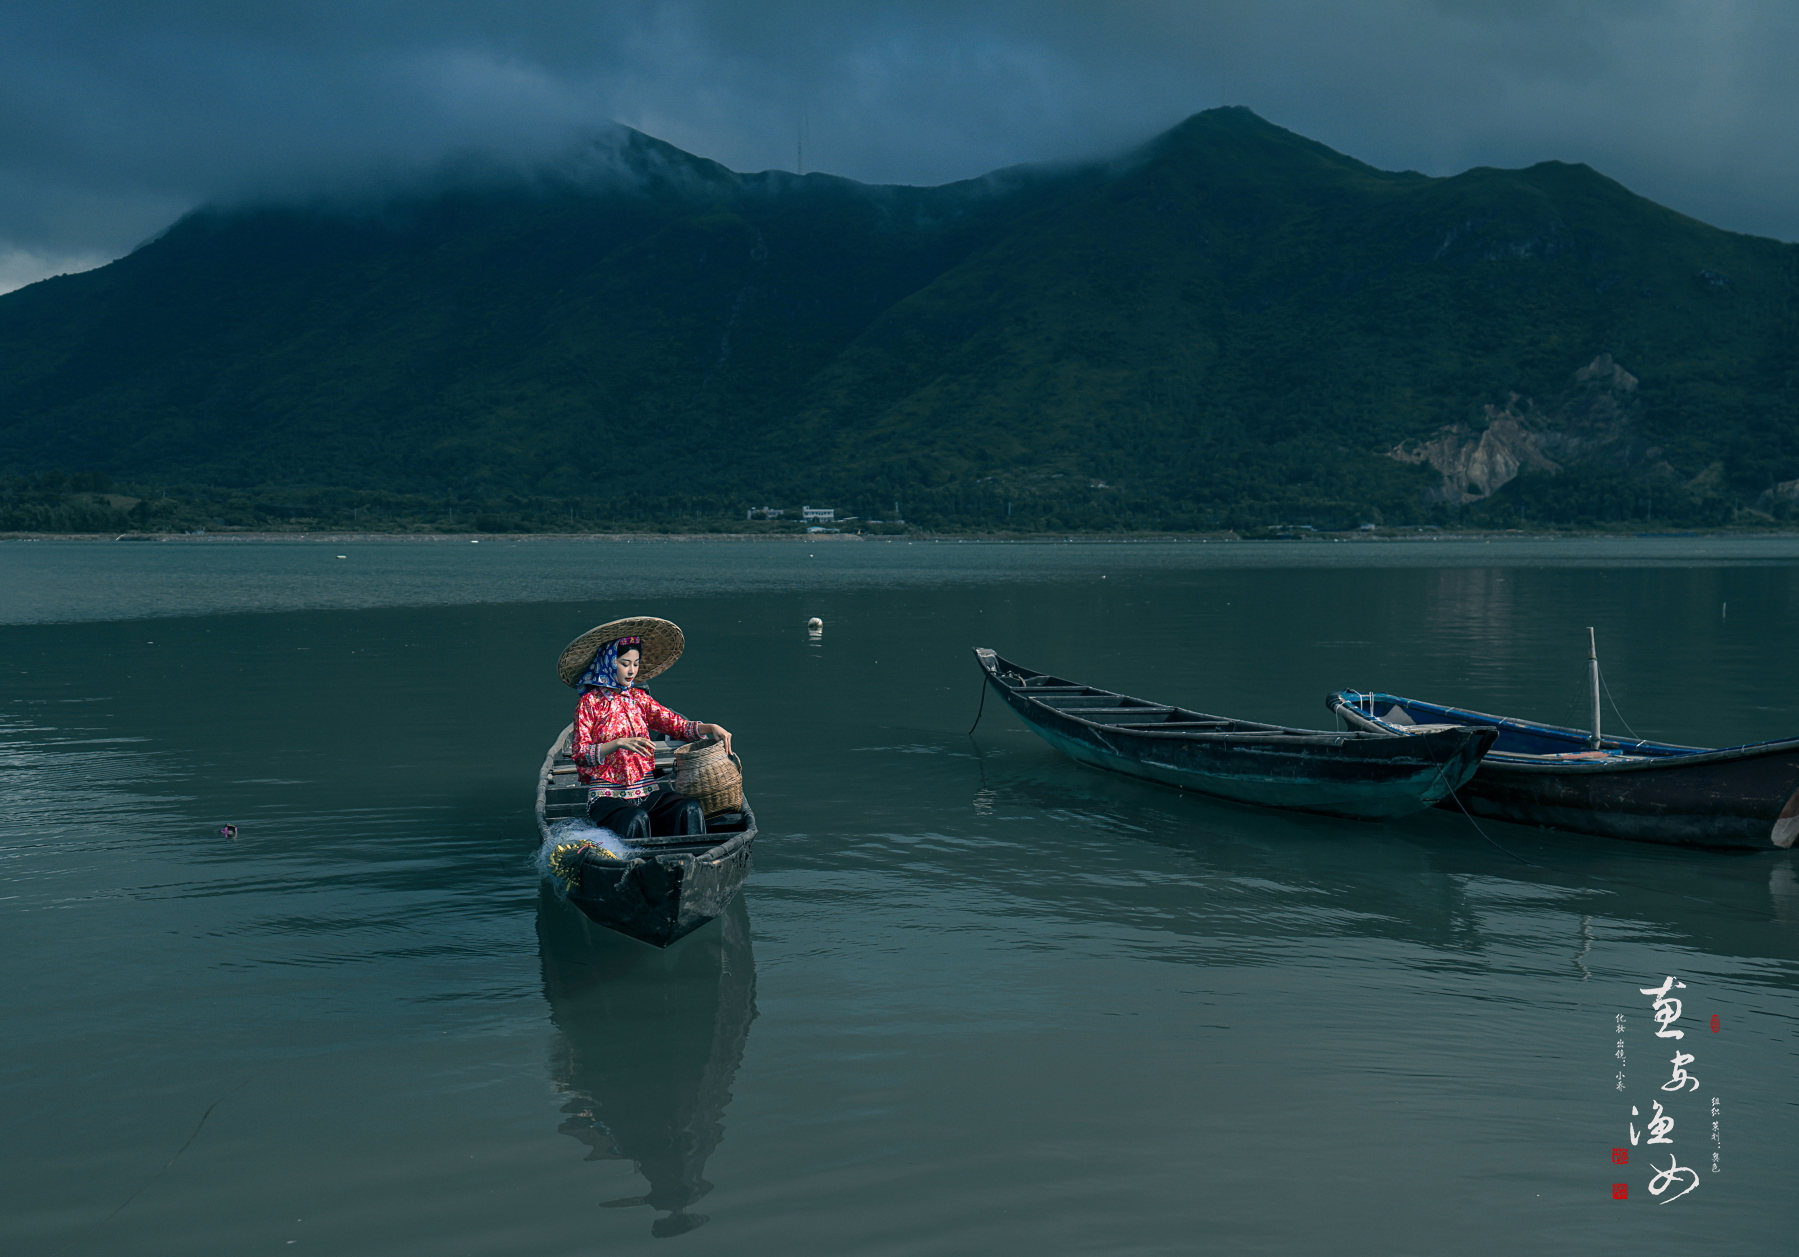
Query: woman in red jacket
x=612 y=751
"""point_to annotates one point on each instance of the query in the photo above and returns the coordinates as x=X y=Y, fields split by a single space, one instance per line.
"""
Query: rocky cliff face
x=1594 y=418
x=1786 y=491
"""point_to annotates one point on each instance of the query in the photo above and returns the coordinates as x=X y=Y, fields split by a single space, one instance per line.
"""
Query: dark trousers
x=663 y=814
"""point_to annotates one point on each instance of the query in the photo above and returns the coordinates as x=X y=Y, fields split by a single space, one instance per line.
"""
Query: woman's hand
x=642 y=746
x=719 y=732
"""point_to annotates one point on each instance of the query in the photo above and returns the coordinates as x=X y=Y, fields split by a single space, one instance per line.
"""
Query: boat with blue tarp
x=1589 y=783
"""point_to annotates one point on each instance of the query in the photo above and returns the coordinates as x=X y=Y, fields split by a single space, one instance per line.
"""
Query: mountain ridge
x=1230 y=324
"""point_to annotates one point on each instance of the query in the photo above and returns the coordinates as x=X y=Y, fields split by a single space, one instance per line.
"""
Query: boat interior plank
x=1154 y=726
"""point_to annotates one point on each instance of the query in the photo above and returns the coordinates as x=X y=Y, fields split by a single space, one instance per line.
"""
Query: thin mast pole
x=1593 y=675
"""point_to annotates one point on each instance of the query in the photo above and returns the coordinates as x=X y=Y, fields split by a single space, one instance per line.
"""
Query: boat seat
x=1153 y=726
x=1417 y=728
x=1563 y=756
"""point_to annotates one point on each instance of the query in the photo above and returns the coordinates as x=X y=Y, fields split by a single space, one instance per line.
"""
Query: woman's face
x=628 y=661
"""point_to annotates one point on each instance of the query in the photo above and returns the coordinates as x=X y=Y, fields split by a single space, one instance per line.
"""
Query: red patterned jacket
x=606 y=715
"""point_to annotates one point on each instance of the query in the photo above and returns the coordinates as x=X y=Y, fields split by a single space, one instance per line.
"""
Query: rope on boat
x=1615 y=711
x=1443 y=768
x=1483 y=833
x=983 y=707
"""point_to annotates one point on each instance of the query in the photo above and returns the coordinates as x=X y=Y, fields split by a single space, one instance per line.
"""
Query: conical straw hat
x=662 y=645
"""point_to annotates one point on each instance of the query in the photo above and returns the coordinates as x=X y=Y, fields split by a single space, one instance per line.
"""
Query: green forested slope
x=1231 y=326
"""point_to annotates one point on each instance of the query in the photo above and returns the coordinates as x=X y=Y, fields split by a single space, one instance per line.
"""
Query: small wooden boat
x=1367 y=776
x=662 y=889
x=1574 y=779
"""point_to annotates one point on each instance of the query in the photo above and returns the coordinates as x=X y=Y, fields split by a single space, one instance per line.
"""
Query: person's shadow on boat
x=650 y=1042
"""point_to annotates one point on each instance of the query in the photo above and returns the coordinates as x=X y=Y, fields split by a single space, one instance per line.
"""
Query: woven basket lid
x=662 y=645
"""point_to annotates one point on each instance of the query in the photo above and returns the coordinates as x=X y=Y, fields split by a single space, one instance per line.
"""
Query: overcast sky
x=116 y=116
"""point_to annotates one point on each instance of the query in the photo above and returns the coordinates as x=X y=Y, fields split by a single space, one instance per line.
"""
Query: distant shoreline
x=1385 y=536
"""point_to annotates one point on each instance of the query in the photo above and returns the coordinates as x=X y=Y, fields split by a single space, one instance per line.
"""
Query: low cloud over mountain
x=120 y=117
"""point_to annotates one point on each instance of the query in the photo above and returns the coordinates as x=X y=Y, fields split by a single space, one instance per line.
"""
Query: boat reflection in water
x=650 y=1042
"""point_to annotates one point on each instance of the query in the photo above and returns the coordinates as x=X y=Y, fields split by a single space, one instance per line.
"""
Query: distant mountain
x=1230 y=326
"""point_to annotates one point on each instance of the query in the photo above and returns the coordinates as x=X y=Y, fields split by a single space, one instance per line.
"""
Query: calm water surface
x=976 y=999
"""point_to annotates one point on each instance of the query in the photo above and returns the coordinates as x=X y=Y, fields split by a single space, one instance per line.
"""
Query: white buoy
x=815 y=624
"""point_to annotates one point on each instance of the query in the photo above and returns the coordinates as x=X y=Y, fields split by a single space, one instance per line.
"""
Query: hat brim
x=662 y=645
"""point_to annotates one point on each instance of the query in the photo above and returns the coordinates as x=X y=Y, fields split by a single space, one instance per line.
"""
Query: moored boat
x=1363 y=775
x=657 y=890
x=1577 y=780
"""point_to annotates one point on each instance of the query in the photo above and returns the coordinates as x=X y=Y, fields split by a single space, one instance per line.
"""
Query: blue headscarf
x=604 y=670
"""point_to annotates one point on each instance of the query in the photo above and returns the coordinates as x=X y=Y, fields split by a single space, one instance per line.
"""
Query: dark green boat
x=1366 y=776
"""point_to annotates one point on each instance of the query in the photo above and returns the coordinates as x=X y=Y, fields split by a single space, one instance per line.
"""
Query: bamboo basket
x=705 y=774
